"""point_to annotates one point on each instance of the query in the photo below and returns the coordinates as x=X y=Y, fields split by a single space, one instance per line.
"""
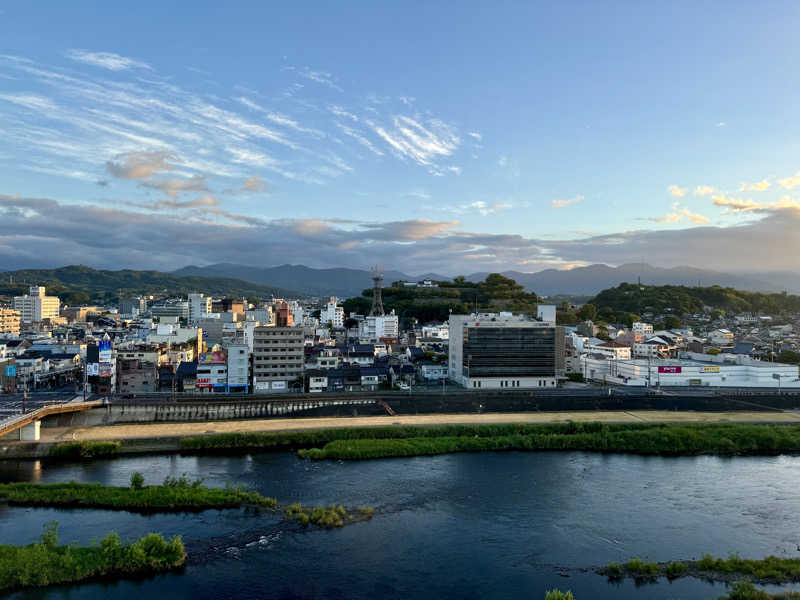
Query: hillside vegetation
x=633 y=298
x=81 y=285
x=496 y=293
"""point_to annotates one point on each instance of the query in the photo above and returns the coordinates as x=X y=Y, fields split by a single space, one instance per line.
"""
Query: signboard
x=11 y=370
x=203 y=382
x=262 y=385
x=105 y=370
x=205 y=358
x=669 y=369
x=709 y=370
x=278 y=385
x=92 y=369
x=105 y=351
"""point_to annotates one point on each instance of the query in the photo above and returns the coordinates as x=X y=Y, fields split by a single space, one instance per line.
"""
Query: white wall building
x=377 y=327
x=504 y=351
x=36 y=306
x=238 y=367
x=332 y=313
x=643 y=328
x=441 y=332
x=610 y=350
x=694 y=369
x=199 y=307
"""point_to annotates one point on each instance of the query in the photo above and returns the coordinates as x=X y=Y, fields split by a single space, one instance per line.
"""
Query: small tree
x=137 y=480
x=49 y=537
x=558 y=595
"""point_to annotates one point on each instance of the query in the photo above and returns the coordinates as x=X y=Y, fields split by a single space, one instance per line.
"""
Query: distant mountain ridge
x=79 y=278
x=592 y=279
x=587 y=281
x=341 y=282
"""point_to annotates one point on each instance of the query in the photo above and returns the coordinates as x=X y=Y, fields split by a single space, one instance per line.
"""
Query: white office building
x=643 y=328
x=500 y=350
x=36 y=306
x=380 y=327
x=238 y=367
x=332 y=314
x=199 y=307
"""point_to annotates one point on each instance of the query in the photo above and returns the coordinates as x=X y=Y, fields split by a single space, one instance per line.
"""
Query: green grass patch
x=46 y=563
x=174 y=495
x=745 y=590
x=642 y=568
x=85 y=449
x=331 y=517
x=558 y=595
x=652 y=439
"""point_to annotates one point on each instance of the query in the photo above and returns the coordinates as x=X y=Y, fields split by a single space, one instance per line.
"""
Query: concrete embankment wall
x=408 y=405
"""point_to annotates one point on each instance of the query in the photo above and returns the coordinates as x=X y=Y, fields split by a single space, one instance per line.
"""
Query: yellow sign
x=710 y=370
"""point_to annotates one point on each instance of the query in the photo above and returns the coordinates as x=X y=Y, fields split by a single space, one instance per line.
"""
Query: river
x=493 y=525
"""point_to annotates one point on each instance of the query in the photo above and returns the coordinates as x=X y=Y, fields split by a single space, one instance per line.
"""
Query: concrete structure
x=433 y=371
x=9 y=320
x=36 y=306
x=178 y=309
x=199 y=307
x=238 y=367
x=133 y=306
x=692 y=369
x=610 y=350
x=332 y=313
x=136 y=376
x=642 y=328
x=505 y=351
x=278 y=355
x=380 y=328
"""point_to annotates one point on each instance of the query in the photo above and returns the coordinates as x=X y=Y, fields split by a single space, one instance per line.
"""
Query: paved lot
x=156 y=430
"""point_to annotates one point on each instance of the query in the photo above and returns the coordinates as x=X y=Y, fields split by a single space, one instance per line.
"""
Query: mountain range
x=587 y=280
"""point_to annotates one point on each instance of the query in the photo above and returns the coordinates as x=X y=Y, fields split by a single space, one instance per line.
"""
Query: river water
x=491 y=525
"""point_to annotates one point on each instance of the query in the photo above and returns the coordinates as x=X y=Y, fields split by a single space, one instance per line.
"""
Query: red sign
x=669 y=369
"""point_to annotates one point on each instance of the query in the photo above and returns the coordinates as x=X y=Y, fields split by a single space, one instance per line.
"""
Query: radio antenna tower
x=377 y=301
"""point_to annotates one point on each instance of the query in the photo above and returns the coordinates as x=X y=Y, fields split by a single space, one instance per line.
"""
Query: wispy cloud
x=316 y=76
x=422 y=142
x=736 y=206
x=758 y=186
x=790 y=182
x=106 y=60
x=174 y=187
x=475 y=135
x=676 y=191
x=703 y=190
x=679 y=214
x=564 y=202
x=139 y=165
x=254 y=184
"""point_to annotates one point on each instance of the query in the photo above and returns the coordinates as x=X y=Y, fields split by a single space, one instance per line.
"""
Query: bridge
x=28 y=424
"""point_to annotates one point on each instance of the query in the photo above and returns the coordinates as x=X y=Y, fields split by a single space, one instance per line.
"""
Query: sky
x=421 y=136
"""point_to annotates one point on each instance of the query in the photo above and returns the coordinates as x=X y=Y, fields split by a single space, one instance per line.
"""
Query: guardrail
x=14 y=423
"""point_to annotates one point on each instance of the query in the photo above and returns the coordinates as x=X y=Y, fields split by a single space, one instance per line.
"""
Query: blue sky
x=426 y=136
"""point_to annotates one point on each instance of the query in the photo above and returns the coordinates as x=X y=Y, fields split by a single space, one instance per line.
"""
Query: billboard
x=669 y=369
x=203 y=382
x=105 y=369
x=92 y=369
x=105 y=351
x=11 y=370
x=709 y=370
x=205 y=358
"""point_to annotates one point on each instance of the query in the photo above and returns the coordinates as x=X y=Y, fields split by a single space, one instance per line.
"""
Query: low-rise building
x=9 y=320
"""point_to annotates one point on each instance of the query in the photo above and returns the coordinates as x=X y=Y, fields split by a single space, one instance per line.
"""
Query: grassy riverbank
x=84 y=449
x=46 y=563
x=174 y=495
x=661 y=439
x=771 y=569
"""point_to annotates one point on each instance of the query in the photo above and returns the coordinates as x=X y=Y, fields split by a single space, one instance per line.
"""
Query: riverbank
x=46 y=563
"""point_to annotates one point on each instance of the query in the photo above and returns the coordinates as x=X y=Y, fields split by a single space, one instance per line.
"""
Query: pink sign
x=669 y=369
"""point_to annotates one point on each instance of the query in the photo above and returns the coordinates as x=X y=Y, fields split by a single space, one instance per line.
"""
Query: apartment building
x=9 y=320
x=36 y=306
x=278 y=355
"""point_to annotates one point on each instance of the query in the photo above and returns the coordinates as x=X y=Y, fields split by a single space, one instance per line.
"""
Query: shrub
x=644 y=568
x=676 y=569
x=558 y=595
x=614 y=570
x=85 y=449
x=137 y=480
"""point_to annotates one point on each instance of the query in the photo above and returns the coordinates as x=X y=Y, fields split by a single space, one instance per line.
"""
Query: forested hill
x=495 y=293
x=634 y=298
x=81 y=285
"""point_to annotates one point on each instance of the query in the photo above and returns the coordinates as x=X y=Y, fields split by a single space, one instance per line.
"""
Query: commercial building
x=380 y=328
x=9 y=320
x=332 y=314
x=178 y=309
x=199 y=307
x=35 y=306
x=500 y=350
x=133 y=306
x=238 y=367
x=212 y=372
x=642 y=328
x=136 y=376
x=278 y=355
x=697 y=370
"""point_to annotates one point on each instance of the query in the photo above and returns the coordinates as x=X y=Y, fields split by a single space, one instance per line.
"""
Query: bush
x=576 y=377
x=85 y=449
x=46 y=563
x=643 y=568
x=675 y=569
x=614 y=571
x=137 y=480
x=558 y=595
